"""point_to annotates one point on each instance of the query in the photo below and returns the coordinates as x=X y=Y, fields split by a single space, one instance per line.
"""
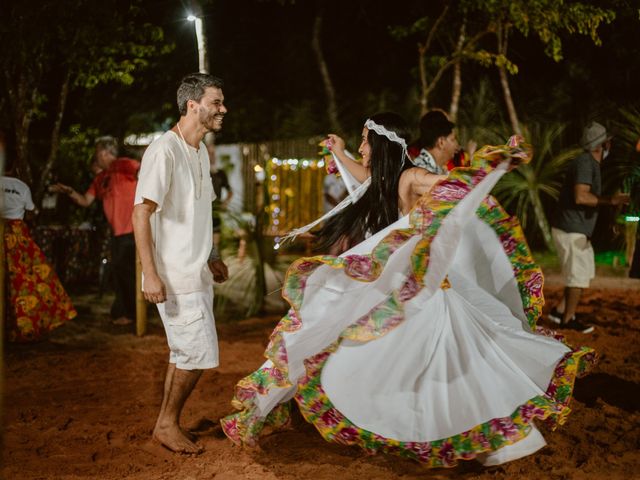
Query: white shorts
x=191 y=330
x=576 y=258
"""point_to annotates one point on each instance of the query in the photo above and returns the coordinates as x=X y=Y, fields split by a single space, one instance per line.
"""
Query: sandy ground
x=82 y=405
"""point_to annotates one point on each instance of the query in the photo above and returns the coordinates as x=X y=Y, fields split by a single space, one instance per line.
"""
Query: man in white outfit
x=172 y=222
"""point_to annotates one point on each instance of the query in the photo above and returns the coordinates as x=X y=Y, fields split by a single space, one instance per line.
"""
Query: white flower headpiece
x=393 y=136
x=358 y=192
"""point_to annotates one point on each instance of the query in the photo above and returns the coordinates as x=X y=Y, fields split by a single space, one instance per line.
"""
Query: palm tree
x=626 y=171
x=626 y=168
x=526 y=188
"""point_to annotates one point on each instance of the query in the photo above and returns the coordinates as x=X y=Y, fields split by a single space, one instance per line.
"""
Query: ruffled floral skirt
x=37 y=302
x=421 y=341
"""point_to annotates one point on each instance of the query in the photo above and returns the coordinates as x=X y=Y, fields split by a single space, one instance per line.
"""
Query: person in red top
x=115 y=186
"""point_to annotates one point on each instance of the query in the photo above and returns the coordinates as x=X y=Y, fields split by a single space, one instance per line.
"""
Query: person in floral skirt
x=36 y=300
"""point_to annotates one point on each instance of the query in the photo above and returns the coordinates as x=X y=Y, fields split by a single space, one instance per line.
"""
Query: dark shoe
x=578 y=326
x=555 y=316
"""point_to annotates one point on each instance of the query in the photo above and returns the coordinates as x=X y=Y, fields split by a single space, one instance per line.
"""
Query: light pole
x=203 y=62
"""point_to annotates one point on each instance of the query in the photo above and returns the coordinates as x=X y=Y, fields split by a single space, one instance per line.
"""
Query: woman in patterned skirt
x=36 y=300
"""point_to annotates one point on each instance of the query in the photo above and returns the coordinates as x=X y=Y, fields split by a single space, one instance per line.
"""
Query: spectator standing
x=580 y=197
x=37 y=302
x=115 y=185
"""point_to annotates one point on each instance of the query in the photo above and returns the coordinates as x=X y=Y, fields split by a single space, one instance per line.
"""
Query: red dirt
x=82 y=405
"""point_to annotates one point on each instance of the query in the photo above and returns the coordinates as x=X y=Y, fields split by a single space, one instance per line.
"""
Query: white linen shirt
x=176 y=177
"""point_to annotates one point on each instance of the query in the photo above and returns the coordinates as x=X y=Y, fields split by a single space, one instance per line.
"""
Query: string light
x=284 y=187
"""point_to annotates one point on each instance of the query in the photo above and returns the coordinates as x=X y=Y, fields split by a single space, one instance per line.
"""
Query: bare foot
x=175 y=440
x=190 y=435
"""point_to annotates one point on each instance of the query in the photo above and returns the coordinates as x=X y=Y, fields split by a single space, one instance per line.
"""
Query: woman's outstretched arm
x=359 y=171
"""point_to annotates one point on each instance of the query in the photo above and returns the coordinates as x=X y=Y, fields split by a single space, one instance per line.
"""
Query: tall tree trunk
x=332 y=104
x=55 y=139
x=23 y=108
x=541 y=219
x=503 y=35
x=456 y=87
x=424 y=83
x=427 y=87
x=508 y=99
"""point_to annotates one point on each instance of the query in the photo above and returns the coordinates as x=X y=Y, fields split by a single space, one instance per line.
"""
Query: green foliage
x=75 y=152
x=479 y=118
x=77 y=149
x=547 y=19
x=118 y=60
x=51 y=50
x=628 y=127
x=242 y=295
x=421 y=25
x=625 y=168
x=526 y=189
x=488 y=59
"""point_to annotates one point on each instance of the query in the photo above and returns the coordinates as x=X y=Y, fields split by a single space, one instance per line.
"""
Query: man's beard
x=210 y=123
x=217 y=125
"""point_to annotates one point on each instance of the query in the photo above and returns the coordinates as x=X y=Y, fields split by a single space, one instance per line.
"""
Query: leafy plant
x=480 y=119
x=525 y=189
x=626 y=167
x=242 y=294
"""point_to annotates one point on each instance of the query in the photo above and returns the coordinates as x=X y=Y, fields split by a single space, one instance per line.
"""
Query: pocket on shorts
x=186 y=318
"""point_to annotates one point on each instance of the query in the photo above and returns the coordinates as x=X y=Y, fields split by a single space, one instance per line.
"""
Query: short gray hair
x=108 y=143
x=192 y=87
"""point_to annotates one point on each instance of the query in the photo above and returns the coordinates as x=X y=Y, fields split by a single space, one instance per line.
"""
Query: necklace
x=196 y=184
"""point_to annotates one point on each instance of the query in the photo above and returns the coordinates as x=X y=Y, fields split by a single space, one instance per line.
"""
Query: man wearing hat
x=580 y=196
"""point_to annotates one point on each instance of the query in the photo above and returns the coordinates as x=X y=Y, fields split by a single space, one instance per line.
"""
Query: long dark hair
x=378 y=207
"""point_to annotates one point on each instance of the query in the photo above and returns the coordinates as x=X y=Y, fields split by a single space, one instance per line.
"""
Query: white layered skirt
x=420 y=341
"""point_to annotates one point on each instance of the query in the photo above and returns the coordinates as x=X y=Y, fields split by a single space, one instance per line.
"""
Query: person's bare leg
x=168 y=379
x=167 y=388
x=178 y=386
x=571 y=299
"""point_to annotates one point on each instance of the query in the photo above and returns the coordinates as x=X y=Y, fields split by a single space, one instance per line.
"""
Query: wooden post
x=141 y=303
x=630 y=232
x=3 y=300
x=3 y=311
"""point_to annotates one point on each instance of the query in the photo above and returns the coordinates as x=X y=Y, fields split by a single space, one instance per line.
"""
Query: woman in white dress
x=421 y=340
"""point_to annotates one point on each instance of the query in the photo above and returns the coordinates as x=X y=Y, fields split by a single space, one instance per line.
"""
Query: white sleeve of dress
x=349 y=180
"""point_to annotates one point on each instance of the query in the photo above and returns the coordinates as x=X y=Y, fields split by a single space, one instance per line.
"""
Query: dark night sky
x=262 y=49
x=273 y=88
